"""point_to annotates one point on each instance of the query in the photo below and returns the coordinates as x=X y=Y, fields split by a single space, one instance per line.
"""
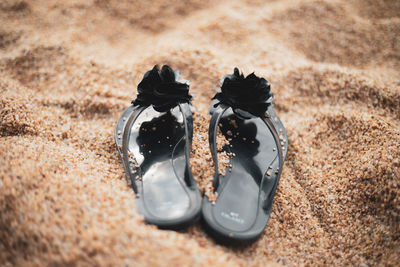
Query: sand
x=69 y=68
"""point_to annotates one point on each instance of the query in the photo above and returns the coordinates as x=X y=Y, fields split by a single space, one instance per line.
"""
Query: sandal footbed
x=157 y=143
x=238 y=215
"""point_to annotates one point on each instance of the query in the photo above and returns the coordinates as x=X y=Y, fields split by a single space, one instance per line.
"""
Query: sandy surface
x=69 y=68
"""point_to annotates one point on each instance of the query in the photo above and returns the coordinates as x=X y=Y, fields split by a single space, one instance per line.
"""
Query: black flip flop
x=154 y=138
x=258 y=142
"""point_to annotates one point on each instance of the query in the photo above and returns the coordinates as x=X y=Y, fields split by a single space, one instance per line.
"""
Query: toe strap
x=130 y=167
x=217 y=113
x=269 y=198
x=188 y=124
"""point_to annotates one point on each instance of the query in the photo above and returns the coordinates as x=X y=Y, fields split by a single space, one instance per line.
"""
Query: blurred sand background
x=69 y=68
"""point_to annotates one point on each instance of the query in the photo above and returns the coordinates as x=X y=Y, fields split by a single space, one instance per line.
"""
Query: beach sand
x=69 y=68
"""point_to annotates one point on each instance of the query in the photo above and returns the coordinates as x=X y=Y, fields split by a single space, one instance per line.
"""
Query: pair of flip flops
x=154 y=138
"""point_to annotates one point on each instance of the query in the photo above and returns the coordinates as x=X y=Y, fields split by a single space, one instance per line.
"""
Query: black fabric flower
x=248 y=97
x=161 y=89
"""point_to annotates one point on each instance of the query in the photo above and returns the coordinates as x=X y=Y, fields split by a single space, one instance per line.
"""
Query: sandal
x=153 y=138
x=244 y=112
